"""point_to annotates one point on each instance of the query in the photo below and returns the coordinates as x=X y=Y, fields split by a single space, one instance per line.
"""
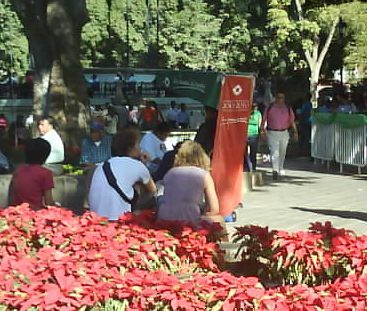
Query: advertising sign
x=203 y=86
x=234 y=110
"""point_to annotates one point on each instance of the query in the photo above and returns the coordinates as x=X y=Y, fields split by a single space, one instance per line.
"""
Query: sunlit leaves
x=13 y=43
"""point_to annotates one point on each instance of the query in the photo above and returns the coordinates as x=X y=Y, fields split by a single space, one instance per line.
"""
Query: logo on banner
x=237 y=90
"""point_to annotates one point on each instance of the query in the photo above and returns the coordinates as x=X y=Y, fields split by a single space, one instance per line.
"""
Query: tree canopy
x=266 y=36
x=13 y=43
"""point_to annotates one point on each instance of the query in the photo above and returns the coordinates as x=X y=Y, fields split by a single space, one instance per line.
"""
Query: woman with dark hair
x=113 y=187
x=32 y=183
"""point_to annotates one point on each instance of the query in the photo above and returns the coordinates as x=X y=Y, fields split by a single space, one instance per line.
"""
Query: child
x=31 y=182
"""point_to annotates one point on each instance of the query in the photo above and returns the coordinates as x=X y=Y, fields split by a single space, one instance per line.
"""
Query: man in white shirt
x=153 y=143
x=46 y=129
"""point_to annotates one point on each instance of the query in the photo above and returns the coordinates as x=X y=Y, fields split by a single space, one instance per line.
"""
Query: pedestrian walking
x=253 y=131
x=277 y=121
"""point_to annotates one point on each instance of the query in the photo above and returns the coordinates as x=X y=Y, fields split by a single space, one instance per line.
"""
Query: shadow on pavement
x=299 y=181
x=307 y=165
x=342 y=214
x=360 y=177
x=294 y=180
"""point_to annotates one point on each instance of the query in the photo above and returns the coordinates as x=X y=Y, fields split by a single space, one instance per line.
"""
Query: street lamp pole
x=10 y=76
x=157 y=60
x=127 y=19
x=109 y=4
x=341 y=28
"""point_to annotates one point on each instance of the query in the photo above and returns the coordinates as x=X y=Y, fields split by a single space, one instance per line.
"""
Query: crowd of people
x=125 y=168
x=279 y=122
x=147 y=116
x=128 y=169
x=344 y=102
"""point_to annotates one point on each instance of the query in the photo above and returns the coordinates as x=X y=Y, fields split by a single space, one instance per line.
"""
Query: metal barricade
x=323 y=141
x=350 y=146
x=179 y=136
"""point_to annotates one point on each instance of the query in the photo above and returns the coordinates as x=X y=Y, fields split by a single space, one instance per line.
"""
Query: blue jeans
x=250 y=163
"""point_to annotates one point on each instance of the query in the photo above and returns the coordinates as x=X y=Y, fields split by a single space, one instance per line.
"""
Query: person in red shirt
x=32 y=183
x=148 y=117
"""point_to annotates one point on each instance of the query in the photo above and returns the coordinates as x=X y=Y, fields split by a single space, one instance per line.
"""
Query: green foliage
x=110 y=305
x=13 y=43
x=265 y=36
x=234 y=15
x=193 y=40
x=104 y=43
x=355 y=18
x=311 y=30
x=94 y=33
x=184 y=39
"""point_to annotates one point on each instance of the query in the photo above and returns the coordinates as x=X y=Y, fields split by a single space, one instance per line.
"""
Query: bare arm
x=260 y=121
x=150 y=186
x=294 y=130
x=48 y=198
x=263 y=124
x=211 y=197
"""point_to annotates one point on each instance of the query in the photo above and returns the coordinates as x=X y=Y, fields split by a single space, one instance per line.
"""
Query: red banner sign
x=230 y=138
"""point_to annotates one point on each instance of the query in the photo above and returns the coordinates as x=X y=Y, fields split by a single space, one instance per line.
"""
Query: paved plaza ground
x=308 y=193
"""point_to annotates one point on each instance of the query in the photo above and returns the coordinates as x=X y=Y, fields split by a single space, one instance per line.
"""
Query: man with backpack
x=278 y=119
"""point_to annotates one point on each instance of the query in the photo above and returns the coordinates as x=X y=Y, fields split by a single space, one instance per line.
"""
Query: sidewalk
x=308 y=193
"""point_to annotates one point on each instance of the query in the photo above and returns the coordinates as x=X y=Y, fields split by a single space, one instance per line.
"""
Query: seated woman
x=185 y=186
x=32 y=183
x=126 y=168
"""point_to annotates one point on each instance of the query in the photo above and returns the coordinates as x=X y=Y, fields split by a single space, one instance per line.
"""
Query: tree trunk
x=53 y=29
x=314 y=80
x=315 y=58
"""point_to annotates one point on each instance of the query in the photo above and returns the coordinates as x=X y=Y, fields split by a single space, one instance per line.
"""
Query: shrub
x=52 y=260
x=318 y=256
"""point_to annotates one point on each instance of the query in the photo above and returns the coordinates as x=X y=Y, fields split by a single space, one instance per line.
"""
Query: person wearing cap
x=46 y=128
x=97 y=147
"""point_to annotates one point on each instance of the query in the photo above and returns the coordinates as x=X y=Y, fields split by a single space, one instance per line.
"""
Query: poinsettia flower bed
x=317 y=256
x=53 y=252
x=52 y=260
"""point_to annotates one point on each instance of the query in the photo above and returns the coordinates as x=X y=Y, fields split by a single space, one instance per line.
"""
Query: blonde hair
x=192 y=154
